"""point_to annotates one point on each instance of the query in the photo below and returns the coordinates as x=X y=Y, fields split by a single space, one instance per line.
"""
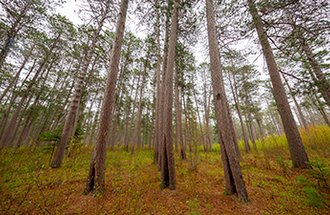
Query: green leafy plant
x=301 y=180
x=50 y=136
x=193 y=204
x=320 y=171
x=284 y=165
x=314 y=198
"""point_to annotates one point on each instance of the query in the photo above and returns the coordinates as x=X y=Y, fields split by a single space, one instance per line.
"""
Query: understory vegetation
x=30 y=186
x=164 y=107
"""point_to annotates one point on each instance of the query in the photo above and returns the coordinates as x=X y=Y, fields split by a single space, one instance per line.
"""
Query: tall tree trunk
x=158 y=87
x=95 y=122
x=96 y=175
x=113 y=127
x=167 y=154
x=261 y=130
x=205 y=146
x=35 y=103
x=273 y=120
x=139 y=110
x=178 y=115
x=129 y=114
x=89 y=119
x=120 y=86
x=9 y=132
x=207 y=101
x=158 y=96
x=300 y=113
x=5 y=118
x=70 y=121
x=133 y=119
x=16 y=78
x=233 y=87
x=13 y=31
x=230 y=155
x=249 y=121
x=188 y=131
x=6 y=133
x=323 y=84
x=24 y=136
x=320 y=108
x=296 y=148
x=162 y=87
x=28 y=122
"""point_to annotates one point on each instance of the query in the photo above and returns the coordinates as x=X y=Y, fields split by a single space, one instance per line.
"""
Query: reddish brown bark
x=238 y=109
x=178 y=117
x=296 y=148
x=300 y=113
x=139 y=110
x=323 y=84
x=167 y=154
x=229 y=154
x=96 y=175
x=70 y=121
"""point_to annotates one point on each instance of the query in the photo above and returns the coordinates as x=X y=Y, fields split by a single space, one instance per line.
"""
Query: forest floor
x=29 y=186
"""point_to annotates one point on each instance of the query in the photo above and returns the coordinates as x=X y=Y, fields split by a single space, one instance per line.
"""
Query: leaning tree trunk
x=13 y=31
x=96 y=174
x=323 y=84
x=297 y=150
x=69 y=124
x=230 y=156
x=167 y=155
x=300 y=113
x=8 y=133
x=320 y=108
x=16 y=78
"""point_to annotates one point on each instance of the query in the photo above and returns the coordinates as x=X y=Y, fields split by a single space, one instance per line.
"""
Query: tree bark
x=9 y=132
x=139 y=110
x=162 y=87
x=70 y=122
x=233 y=87
x=296 y=148
x=133 y=117
x=12 y=33
x=15 y=79
x=207 y=100
x=6 y=132
x=205 y=146
x=167 y=154
x=96 y=175
x=249 y=121
x=300 y=113
x=320 y=108
x=323 y=84
x=178 y=116
x=230 y=156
